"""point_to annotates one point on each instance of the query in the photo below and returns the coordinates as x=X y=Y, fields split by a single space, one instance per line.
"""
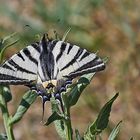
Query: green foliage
x=7 y=94
x=58 y=121
x=78 y=88
x=78 y=137
x=4 y=44
x=25 y=103
x=55 y=116
x=55 y=113
x=3 y=137
x=65 y=34
x=71 y=99
x=101 y=122
x=115 y=131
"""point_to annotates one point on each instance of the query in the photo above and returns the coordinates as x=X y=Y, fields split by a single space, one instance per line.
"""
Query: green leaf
x=105 y=60
x=28 y=98
x=3 y=137
x=55 y=116
x=78 y=137
x=78 y=88
x=131 y=138
x=102 y=120
x=8 y=37
x=7 y=94
x=115 y=131
x=5 y=47
x=1 y=44
x=65 y=34
x=59 y=124
x=55 y=105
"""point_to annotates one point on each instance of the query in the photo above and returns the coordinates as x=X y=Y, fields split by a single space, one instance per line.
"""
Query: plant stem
x=6 y=118
x=68 y=127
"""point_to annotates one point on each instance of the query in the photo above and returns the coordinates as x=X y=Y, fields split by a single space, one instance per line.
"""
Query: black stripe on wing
x=96 y=61
x=62 y=49
x=79 y=52
x=28 y=54
x=36 y=46
x=93 y=66
x=85 y=55
x=7 y=67
x=53 y=44
x=6 y=79
x=11 y=62
x=85 y=71
x=20 y=56
x=70 y=47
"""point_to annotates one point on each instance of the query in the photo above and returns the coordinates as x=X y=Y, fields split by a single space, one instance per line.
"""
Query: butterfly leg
x=62 y=89
x=45 y=97
x=58 y=97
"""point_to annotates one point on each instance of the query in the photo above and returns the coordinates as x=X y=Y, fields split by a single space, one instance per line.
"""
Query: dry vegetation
x=113 y=28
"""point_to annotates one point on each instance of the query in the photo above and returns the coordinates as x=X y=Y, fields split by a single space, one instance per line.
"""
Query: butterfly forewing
x=21 y=68
x=73 y=61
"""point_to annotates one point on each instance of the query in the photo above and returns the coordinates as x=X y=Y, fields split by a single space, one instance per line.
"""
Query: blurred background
x=110 y=26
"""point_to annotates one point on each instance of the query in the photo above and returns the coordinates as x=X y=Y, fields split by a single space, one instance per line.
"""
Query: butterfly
x=50 y=65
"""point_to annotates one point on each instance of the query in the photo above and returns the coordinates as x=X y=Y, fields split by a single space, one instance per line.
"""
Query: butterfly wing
x=21 y=68
x=73 y=61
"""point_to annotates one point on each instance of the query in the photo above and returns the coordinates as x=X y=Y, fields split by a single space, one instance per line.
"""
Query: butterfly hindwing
x=21 y=68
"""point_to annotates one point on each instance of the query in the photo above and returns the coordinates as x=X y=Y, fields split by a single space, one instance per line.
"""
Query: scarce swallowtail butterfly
x=50 y=64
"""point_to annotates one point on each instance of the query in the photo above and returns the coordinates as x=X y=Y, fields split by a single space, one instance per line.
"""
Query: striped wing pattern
x=49 y=60
x=73 y=61
x=21 y=68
